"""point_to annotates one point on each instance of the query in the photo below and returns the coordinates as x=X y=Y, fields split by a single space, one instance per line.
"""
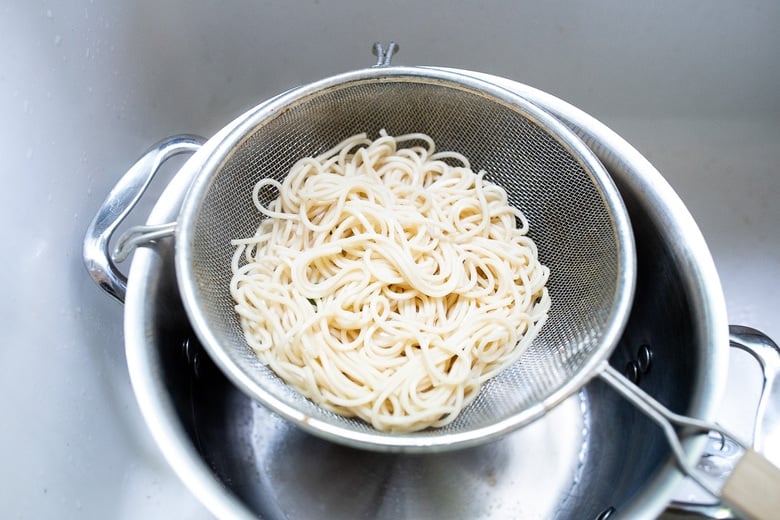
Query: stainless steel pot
x=593 y=456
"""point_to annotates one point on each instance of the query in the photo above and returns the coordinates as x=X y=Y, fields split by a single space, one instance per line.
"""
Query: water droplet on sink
x=49 y=14
x=29 y=152
x=57 y=40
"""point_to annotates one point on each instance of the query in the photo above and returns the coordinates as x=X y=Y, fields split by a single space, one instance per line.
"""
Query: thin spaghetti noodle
x=386 y=283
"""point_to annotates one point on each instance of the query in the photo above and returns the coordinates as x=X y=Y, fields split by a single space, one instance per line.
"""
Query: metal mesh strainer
x=576 y=216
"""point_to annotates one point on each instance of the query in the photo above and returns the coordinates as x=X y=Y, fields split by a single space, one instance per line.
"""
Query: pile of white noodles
x=388 y=284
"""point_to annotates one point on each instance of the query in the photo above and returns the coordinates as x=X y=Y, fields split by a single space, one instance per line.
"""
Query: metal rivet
x=644 y=358
x=632 y=372
x=187 y=349
x=721 y=441
x=606 y=513
x=196 y=365
x=194 y=356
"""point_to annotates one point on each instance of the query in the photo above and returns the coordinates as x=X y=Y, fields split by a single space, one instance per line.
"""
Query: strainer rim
x=376 y=440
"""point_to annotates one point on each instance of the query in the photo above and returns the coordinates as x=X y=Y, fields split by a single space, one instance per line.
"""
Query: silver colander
x=576 y=217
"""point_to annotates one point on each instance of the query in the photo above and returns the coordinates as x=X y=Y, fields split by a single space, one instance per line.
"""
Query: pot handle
x=767 y=353
x=120 y=201
x=767 y=424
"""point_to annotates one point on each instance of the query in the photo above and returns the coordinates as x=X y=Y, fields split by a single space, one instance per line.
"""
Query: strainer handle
x=752 y=487
x=767 y=424
x=120 y=201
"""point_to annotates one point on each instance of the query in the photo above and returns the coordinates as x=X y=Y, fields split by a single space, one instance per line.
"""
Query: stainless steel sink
x=84 y=88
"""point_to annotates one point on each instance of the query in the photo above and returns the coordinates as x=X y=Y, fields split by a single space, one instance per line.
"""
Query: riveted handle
x=120 y=201
x=753 y=488
x=767 y=353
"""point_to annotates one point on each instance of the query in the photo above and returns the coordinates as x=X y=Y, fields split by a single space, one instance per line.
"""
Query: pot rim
x=690 y=252
x=189 y=281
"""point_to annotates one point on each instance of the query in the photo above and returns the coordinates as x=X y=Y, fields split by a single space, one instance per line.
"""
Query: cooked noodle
x=388 y=284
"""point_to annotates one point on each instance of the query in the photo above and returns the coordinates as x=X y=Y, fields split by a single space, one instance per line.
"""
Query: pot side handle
x=767 y=353
x=753 y=485
x=118 y=204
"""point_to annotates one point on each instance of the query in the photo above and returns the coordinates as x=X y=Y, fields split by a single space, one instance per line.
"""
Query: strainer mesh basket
x=563 y=193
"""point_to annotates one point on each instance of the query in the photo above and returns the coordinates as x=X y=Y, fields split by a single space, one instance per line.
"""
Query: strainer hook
x=384 y=55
